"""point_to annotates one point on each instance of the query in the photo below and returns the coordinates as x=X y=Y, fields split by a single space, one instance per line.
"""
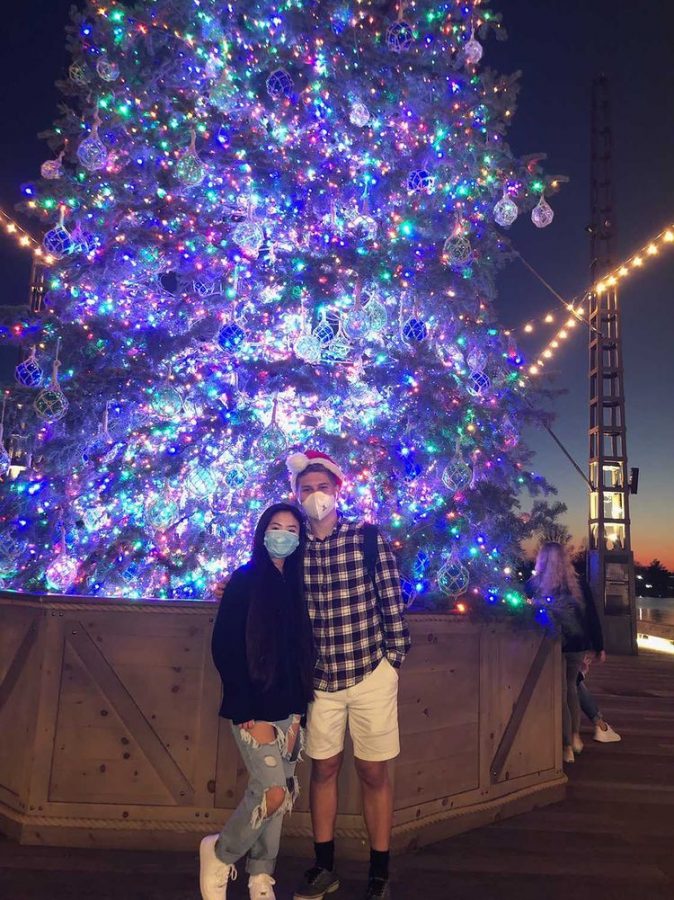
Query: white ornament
x=505 y=211
x=457 y=475
x=249 y=237
x=308 y=348
x=457 y=250
x=542 y=214
x=473 y=50
x=359 y=115
x=62 y=572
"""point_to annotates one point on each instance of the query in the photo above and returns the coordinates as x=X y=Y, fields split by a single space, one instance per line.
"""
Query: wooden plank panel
x=96 y=757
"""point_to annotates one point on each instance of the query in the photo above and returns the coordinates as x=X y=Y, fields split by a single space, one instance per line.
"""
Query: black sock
x=379 y=860
x=325 y=855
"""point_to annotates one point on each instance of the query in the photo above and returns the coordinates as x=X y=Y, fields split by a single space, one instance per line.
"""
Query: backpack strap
x=371 y=553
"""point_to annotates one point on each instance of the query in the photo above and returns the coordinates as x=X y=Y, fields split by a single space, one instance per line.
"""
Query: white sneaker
x=606 y=737
x=567 y=755
x=260 y=887
x=577 y=744
x=214 y=875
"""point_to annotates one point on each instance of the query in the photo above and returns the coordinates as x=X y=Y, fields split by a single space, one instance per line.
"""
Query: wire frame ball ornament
x=107 y=70
x=457 y=475
x=420 y=181
x=272 y=442
x=376 y=314
x=399 y=37
x=505 y=211
x=52 y=169
x=201 y=482
x=62 y=572
x=542 y=214
x=161 y=512
x=280 y=84
x=414 y=331
x=359 y=114
x=166 y=402
x=473 y=50
x=59 y=242
x=457 y=250
x=29 y=373
x=236 y=477
x=230 y=337
x=190 y=169
x=478 y=383
x=308 y=347
x=249 y=237
x=92 y=152
x=78 y=74
x=324 y=332
x=51 y=404
x=357 y=324
x=453 y=578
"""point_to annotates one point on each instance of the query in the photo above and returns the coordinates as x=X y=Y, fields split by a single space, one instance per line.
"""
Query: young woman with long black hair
x=263 y=649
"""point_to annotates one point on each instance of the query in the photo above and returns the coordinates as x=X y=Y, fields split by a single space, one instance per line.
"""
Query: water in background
x=656 y=609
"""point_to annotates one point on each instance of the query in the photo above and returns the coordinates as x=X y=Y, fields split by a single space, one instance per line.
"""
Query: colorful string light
x=24 y=239
x=650 y=251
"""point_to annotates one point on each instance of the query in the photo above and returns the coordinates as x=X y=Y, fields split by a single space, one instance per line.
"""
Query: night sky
x=558 y=45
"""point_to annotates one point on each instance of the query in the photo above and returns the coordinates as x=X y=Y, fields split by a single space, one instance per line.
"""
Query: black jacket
x=578 y=623
x=244 y=699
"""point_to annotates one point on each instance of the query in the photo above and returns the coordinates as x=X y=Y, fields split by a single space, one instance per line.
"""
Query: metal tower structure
x=610 y=559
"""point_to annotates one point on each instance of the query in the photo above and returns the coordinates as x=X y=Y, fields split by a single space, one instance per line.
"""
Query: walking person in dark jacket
x=573 y=611
x=263 y=649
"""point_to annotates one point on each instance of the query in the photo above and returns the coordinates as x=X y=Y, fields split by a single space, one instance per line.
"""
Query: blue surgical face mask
x=281 y=543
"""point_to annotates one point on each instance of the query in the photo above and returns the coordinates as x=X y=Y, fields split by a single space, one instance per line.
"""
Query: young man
x=361 y=640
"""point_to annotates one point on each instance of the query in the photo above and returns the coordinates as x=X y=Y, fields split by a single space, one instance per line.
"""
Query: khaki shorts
x=371 y=709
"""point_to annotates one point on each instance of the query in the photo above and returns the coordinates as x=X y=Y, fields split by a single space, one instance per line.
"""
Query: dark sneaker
x=378 y=889
x=317 y=882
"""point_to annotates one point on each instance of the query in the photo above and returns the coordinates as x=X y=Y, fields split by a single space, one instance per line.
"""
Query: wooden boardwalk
x=613 y=838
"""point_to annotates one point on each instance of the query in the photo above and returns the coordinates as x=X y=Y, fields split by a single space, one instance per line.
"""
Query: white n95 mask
x=319 y=505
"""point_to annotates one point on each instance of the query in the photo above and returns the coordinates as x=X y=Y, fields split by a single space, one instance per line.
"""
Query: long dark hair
x=272 y=609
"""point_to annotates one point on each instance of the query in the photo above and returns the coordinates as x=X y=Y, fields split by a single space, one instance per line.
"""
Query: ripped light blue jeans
x=250 y=830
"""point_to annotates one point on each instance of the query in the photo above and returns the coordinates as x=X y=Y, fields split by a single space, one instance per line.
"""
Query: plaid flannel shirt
x=352 y=630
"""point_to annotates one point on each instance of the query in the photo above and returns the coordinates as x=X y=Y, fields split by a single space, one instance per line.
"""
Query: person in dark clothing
x=263 y=649
x=573 y=611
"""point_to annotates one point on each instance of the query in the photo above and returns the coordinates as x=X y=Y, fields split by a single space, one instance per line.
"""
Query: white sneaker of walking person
x=577 y=744
x=605 y=734
x=214 y=875
x=567 y=755
x=260 y=887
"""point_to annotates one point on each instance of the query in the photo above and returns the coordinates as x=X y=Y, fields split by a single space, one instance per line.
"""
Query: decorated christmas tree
x=271 y=226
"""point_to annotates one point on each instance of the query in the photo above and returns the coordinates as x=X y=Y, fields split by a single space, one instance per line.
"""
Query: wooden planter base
x=110 y=734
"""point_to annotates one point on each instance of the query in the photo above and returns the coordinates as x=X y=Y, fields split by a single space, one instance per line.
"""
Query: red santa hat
x=298 y=462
